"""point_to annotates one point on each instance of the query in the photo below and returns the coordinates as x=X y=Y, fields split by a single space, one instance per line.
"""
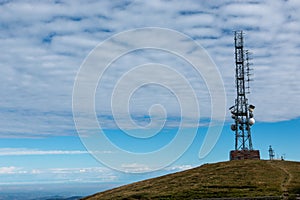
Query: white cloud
x=140 y=168
x=135 y=168
x=44 y=43
x=179 y=167
x=10 y=170
x=22 y=152
x=13 y=175
x=29 y=152
x=56 y=175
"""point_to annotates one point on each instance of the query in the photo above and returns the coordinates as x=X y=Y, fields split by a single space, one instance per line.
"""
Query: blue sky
x=43 y=45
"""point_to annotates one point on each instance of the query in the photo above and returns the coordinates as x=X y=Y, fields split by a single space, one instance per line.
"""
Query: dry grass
x=249 y=178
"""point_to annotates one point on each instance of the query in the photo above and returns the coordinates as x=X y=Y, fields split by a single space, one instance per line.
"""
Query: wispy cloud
x=140 y=168
x=81 y=175
x=135 y=168
x=29 y=152
x=179 y=167
x=56 y=175
x=11 y=170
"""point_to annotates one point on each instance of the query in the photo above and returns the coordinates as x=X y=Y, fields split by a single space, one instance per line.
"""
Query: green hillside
x=248 y=178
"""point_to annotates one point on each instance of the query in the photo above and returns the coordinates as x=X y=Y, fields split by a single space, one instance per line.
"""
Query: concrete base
x=244 y=155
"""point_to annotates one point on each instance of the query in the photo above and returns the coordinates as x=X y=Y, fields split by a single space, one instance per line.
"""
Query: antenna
x=242 y=112
x=248 y=70
x=271 y=153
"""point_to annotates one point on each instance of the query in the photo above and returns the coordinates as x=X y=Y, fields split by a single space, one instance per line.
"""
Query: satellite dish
x=251 y=121
x=251 y=108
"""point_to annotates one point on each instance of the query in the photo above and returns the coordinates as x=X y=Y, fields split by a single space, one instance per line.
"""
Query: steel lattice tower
x=271 y=153
x=242 y=112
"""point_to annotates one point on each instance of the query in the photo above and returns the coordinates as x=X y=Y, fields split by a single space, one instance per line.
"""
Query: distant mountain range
x=254 y=179
x=59 y=198
x=22 y=196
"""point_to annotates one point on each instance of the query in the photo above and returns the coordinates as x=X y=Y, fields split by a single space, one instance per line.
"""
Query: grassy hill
x=247 y=178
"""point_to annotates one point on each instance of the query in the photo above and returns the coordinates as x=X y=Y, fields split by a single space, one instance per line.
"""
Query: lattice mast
x=242 y=112
x=271 y=153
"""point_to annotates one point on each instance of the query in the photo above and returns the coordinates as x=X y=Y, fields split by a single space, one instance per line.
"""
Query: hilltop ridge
x=232 y=179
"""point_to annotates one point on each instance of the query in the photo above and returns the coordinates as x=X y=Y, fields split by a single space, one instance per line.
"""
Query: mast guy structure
x=242 y=112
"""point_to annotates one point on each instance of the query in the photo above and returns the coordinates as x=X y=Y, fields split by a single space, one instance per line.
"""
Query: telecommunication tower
x=271 y=153
x=242 y=112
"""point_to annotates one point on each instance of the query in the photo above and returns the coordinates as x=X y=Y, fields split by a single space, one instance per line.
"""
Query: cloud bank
x=44 y=43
